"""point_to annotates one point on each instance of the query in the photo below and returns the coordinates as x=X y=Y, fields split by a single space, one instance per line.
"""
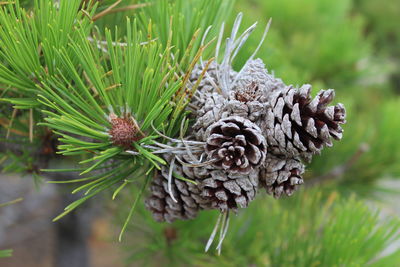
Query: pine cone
x=298 y=125
x=255 y=83
x=248 y=98
x=236 y=145
x=225 y=191
x=164 y=208
x=216 y=107
x=281 y=176
x=124 y=130
x=211 y=111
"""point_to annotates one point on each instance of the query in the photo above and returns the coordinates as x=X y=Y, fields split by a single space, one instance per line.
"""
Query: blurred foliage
x=382 y=23
x=305 y=230
x=374 y=130
x=382 y=18
x=311 y=41
x=350 y=45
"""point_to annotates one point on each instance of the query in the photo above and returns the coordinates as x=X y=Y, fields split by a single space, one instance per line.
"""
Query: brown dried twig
x=111 y=9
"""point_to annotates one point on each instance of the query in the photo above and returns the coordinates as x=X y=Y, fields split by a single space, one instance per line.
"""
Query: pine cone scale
x=300 y=125
x=235 y=144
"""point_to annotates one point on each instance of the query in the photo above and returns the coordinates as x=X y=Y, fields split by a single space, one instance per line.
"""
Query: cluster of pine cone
x=257 y=133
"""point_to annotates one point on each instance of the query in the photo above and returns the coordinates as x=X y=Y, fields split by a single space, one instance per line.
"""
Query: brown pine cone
x=298 y=125
x=281 y=176
x=236 y=145
x=225 y=191
x=124 y=130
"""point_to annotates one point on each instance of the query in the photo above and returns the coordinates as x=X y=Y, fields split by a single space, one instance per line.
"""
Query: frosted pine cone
x=281 y=176
x=216 y=107
x=238 y=115
x=255 y=83
x=236 y=145
x=164 y=208
x=248 y=97
x=228 y=192
x=210 y=111
x=298 y=125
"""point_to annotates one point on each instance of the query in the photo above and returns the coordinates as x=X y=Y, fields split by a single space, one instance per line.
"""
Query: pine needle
x=213 y=233
x=128 y=219
x=170 y=177
x=11 y=202
x=6 y=253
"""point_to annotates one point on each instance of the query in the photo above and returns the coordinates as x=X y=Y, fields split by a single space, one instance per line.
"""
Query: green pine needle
x=132 y=210
x=6 y=253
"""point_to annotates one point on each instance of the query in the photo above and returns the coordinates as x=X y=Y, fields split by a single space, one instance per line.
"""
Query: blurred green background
x=352 y=46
